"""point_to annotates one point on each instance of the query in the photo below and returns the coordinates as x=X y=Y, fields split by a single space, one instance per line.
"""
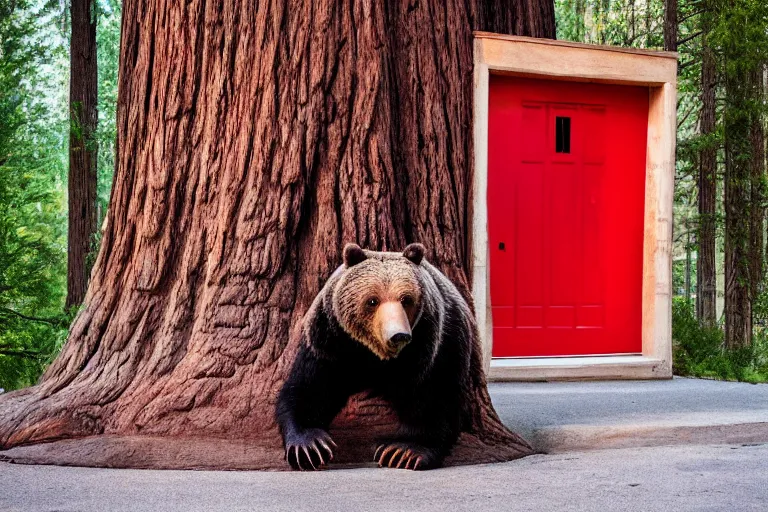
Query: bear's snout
x=395 y=327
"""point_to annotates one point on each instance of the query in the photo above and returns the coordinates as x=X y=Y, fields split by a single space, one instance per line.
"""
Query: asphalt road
x=529 y=407
x=680 y=478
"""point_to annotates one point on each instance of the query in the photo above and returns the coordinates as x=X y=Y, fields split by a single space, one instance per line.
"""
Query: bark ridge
x=255 y=138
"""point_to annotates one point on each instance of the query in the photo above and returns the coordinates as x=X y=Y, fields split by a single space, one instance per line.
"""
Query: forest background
x=720 y=311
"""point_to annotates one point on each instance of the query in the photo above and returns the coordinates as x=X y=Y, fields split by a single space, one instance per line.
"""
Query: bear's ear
x=353 y=255
x=414 y=252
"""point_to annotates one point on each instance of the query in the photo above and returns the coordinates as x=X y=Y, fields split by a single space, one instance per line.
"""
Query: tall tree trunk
x=83 y=100
x=706 y=276
x=688 y=267
x=254 y=140
x=738 y=175
x=757 y=198
x=670 y=25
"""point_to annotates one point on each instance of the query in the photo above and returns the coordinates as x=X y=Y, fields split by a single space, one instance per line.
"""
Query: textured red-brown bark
x=670 y=25
x=706 y=272
x=738 y=179
x=255 y=138
x=83 y=98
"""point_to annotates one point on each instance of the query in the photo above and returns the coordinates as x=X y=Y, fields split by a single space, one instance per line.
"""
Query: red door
x=566 y=187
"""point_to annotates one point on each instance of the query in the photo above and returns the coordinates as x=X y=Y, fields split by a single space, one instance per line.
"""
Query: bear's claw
x=401 y=455
x=309 y=449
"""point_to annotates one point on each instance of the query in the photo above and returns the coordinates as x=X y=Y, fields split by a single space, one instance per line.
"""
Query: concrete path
x=697 y=471
x=567 y=416
x=676 y=479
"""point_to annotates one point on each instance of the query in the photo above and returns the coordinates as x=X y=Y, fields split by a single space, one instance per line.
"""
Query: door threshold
x=613 y=367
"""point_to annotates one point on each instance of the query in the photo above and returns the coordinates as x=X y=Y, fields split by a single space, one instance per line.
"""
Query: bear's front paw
x=309 y=449
x=405 y=455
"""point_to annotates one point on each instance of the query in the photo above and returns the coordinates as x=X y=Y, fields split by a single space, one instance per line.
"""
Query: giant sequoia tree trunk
x=83 y=100
x=255 y=138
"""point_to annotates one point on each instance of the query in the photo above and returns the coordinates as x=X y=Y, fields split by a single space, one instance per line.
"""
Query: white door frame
x=557 y=60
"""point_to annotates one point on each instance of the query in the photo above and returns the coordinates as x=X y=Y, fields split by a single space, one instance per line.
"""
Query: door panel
x=566 y=178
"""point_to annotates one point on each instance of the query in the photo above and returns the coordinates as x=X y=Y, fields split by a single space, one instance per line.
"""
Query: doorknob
x=501 y=246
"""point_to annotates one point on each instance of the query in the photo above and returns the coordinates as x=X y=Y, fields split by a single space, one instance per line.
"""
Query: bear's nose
x=400 y=339
x=395 y=328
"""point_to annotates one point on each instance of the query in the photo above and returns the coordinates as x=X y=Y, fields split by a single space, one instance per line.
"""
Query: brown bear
x=392 y=324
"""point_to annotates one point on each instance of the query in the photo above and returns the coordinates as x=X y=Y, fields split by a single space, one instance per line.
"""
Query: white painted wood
x=564 y=362
x=487 y=36
x=539 y=58
x=659 y=196
x=525 y=56
x=480 y=290
x=577 y=368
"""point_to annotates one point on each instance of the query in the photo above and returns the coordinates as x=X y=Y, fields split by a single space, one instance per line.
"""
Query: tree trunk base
x=253 y=141
x=144 y=452
x=42 y=428
x=70 y=427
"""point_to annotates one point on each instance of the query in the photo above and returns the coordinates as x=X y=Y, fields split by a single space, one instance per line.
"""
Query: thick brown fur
x=421 y=365
x=396 y=281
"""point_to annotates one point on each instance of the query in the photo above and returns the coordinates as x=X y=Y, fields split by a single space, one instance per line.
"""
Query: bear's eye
x=407 y=301
x=372 y=302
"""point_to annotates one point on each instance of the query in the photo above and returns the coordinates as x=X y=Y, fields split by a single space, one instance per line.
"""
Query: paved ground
x=564 y=416
x=696 y=471
x=677 y=479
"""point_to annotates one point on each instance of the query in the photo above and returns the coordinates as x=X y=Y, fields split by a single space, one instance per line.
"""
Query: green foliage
x=629 y=23
x=108 y=49
x=678 y=277
x=698 y=351
x=32 y=197
x=34 y=126
x=739 y=32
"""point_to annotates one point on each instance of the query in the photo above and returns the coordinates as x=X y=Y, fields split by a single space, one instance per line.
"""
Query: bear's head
x=378 y=298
